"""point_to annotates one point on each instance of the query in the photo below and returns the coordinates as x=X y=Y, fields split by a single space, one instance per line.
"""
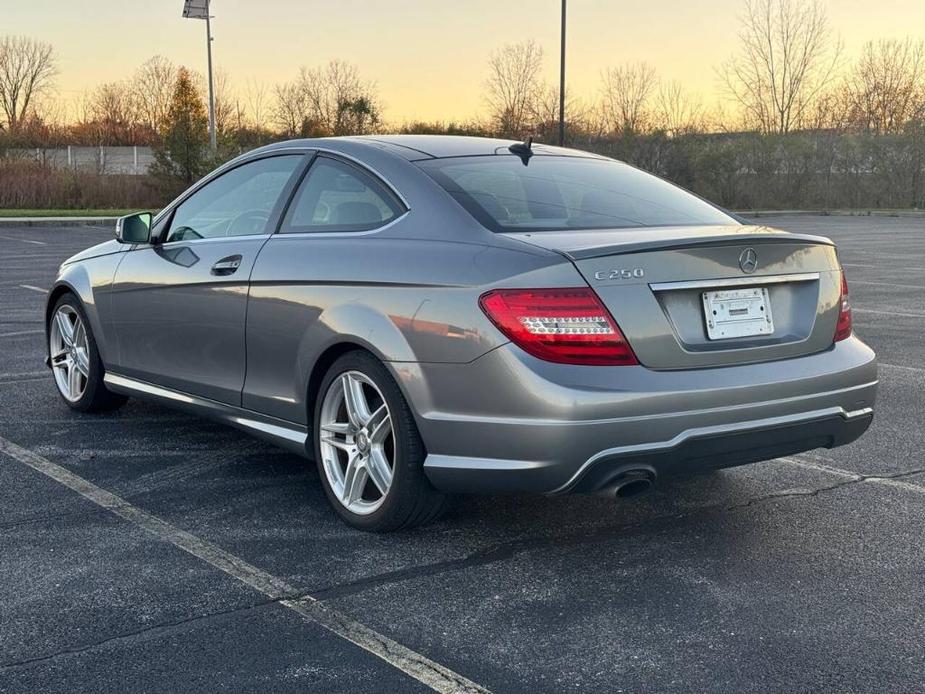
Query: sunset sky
x=427 y=57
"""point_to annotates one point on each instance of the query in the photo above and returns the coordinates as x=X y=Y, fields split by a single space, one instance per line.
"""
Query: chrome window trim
x=248 y=157
x=749 y=281
x=366 y=167
x=339 y=234
x=366 y=170
x=304 y=150
x=173 y=244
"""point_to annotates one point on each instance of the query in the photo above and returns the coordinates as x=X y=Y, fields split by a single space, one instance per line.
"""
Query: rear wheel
x=369 y=453
x=75 y=359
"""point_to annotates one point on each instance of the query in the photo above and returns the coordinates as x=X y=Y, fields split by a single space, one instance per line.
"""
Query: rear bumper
x=509 y=423
x=723 y=446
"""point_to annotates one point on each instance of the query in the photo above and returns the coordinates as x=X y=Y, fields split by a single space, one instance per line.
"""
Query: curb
x=57 y=221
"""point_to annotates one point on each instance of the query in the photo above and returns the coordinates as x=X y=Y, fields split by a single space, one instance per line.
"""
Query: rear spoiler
x=695 y=242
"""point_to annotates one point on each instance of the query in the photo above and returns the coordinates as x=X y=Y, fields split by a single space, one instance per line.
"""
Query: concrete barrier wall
x=105 y=160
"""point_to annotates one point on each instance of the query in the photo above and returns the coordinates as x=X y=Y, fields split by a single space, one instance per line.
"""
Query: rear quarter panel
x=405 y=300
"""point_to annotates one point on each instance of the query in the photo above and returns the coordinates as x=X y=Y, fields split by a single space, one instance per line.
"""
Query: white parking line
x=51 y=256
x=888 y=313
x=898 y=366
x=421 y=668
x=34 y=288
x=847 y=474
x=22 y=332
x=22 y=374
x=11 y=238
x=887 y=284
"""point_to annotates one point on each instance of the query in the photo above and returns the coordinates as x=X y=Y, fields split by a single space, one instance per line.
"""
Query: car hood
x=105 y=248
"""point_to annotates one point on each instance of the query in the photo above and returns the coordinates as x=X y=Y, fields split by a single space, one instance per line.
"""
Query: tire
x=409 y=499
x=87 y=392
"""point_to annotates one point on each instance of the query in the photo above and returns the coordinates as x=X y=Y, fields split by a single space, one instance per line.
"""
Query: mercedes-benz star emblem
x=748 y=260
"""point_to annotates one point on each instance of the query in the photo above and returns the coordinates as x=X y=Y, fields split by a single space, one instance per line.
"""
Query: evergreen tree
x=184 y=154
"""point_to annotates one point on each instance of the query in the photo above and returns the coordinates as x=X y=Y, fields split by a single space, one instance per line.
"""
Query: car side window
x=237 y=203
x=336 y=196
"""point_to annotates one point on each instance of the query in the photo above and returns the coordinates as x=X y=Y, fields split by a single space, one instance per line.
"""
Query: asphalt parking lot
x=218 y=565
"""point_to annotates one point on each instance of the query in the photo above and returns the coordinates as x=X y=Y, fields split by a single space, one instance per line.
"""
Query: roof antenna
x=524 y=150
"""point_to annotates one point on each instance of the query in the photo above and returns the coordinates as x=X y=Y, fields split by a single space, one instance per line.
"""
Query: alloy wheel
x=70 y=353
x=357 y=442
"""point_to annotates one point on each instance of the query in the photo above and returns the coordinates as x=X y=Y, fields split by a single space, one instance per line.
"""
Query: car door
x=179 y=304
x=306 y=266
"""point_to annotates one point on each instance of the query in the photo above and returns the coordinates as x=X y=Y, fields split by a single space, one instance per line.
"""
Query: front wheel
x=75 y=359
x=369 y=453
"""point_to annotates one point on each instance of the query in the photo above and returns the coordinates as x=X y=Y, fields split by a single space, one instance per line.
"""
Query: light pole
x=562 y=81
x=199 y=9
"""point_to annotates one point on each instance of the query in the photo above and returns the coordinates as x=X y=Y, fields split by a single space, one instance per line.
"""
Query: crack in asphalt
x=508 y=549
x=165 y=628
x=132 y=495
x=490 y=555
x=50 y=517
x=304 y=605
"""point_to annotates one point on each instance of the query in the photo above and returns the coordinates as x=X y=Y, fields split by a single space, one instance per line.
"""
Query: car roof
x=417 y=147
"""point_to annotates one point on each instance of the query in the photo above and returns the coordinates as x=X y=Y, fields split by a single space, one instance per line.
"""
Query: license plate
x=737 y=313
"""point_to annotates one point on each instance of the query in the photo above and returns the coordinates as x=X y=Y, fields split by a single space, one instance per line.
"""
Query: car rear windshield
x=556 y=193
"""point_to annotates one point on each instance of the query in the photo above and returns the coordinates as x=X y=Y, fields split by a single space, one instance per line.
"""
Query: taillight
x=843 y=326
x=567 y=326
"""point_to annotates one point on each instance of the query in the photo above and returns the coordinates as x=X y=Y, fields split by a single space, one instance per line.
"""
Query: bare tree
x=339 y=100
x=886 y=88
x=329 y=100
x=226 y=107
x=787 y=57
x=290 y=108
x=113 y=108
x=625 y=96
x=677 y=112
x=831 y=111
x=256 y=98
x=545 y=114
x=514 y=87
x=27 y=69
x=153 y=84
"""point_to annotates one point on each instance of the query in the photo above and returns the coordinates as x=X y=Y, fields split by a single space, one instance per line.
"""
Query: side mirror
x=134 y=228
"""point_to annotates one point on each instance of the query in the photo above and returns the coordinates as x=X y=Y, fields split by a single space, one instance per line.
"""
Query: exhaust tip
x=630 y=483
x=633 y=487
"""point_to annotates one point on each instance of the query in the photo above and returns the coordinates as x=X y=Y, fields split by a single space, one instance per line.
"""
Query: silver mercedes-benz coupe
x=426 y=315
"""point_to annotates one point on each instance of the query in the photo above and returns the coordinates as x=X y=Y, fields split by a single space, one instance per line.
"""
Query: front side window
x=237 y=203
x=556 y=193
x=336 y=196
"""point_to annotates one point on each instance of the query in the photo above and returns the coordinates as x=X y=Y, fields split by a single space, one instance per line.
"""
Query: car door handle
x=227 y=266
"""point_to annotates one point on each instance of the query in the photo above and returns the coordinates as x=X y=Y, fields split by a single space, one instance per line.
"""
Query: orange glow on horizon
x=428 y=59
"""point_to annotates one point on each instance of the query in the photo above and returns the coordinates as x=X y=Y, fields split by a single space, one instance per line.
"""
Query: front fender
x=89 y=281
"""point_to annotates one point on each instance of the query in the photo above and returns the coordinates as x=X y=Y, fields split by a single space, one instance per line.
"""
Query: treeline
x=804 y=170
x=799 y=125
x=747 y=171
x=27 y=184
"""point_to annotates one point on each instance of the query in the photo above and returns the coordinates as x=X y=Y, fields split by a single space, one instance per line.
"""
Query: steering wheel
x=248 y=222
x=322 y=212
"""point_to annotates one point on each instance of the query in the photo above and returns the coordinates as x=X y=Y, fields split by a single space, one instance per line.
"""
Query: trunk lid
x=654 y=282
